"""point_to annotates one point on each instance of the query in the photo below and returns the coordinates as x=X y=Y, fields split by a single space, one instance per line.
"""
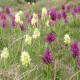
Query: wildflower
x=47 y=57
x=29 y=3
x=78 y=8
x=3 y=16
x=67 y=39
x=65 y=20
x=21 y=27
x=63 y=7
x=34 y=15
x=50 y=37
x=17 y=19
x=34 y=21
x=78 y=64
x=20 y=13
x=47 y=23
x=13 y=22
x=39 y=15
x=29 y=19
x=75 y=10
x=28 y=39
x=73 y=13
x=4 y=23
x=5 y=53
x=27 y=14
x=59 y=16
x=7 y=10
x=68 y=7
x=33 y=3
x=48 y=11
x=44 y=12
x=53 y=14
x=36 y=33
x=21 y=22
x=11 y=16
x=25 y=58
x=64 y=15
x=74 y=49
x=50 y=23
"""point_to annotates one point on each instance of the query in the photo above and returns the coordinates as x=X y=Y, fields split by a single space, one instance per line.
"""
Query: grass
x=7 y=3
x=64 y=67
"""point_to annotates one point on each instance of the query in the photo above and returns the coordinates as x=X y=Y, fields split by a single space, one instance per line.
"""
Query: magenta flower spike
x=29 y=19
x=78 y=8
x=53 y=14
x=13 y=22
x=51 y=23
x=64 y=15
x=48 y=11
x=68 y=7
x=3 y=16
x=4 y=23
x=50 y=37
x=7 y=10
x=75 y=9
x=74 y=49
x=39 y=15
x=47 y=57
x=59 y=16
x=63 y=7
x=22 y=27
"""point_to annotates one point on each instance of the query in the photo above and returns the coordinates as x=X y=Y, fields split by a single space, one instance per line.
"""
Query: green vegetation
x=63 y=66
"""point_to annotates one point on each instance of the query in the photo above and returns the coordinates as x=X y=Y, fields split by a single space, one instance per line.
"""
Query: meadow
x=40 y=41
